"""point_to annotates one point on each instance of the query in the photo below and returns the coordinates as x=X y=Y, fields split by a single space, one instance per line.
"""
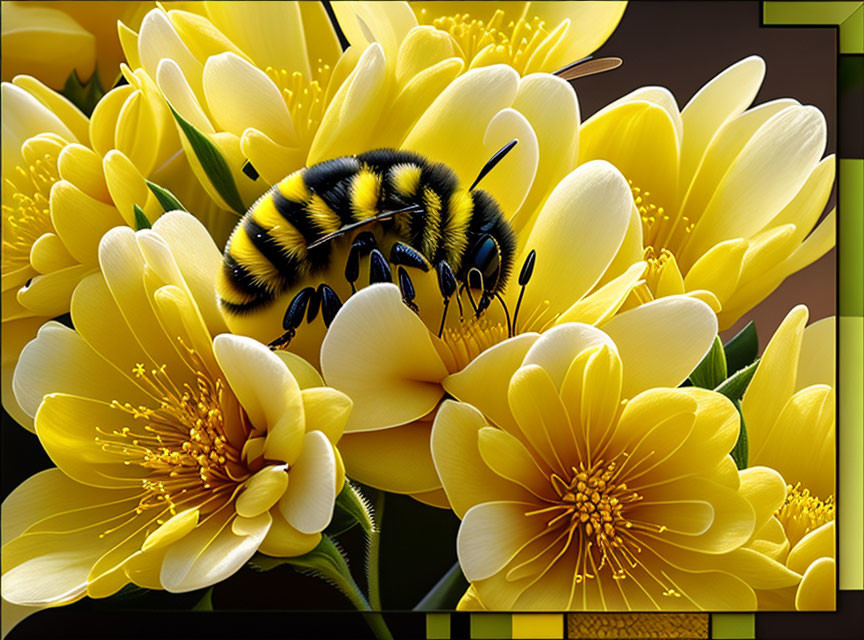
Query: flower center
x=303 y=98
x=802 y=513
x=26 y=213
x=513 y=43
x=591 y=508
x=180 y=446
x=472 y=337
x=661 y=230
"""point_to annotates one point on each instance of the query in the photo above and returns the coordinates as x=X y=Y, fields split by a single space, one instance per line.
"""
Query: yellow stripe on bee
x=258 y=266
x=227 y=290
x=284 y=234
x=323 y=216
x=294 y=188
x=456 y=233
x=432 y=228
x=405 y=179
x=365 y=193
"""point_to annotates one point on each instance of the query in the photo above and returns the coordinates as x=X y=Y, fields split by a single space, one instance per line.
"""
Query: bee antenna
x=493 y=162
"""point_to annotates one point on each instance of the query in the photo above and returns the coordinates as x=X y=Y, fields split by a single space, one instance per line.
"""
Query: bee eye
x=486 y=258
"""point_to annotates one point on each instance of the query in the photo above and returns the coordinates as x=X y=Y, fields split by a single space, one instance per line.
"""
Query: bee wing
x=384 y=215
x=587 y=67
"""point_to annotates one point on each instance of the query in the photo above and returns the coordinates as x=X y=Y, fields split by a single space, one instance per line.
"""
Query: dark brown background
x=680 y=45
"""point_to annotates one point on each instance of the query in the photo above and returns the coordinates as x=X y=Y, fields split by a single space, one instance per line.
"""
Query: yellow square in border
x=538 y=626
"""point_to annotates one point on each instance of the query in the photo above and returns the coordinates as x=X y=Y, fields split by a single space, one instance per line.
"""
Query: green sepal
x=141 y=220
x=206 y=601
x=84 y=95
x=352 y=508
x=213 y=163
x=742 y=349
x=735 y=386
x=167 y=200
x=711 y=371
x=740 y=452
x=325 y=561
x=446 y=593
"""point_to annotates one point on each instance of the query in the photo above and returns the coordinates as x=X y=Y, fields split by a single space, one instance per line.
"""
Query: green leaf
x=84 y=95
x=742 y=349
x=735 y=386
x=167 y=200
x=740 y=451
x=446 y=593
x=711 y=371
x=141 y=221
x=352 y=508
x=206 y=601
x=213 y=163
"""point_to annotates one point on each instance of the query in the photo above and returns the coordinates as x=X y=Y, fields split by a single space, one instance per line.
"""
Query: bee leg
x=330 y=304
x=379 y=270
x=293 y=317
x=314 y=303
x=447 y=286
x=407 y=289
x=401 y=253
x=365 y=242
x=352 y=268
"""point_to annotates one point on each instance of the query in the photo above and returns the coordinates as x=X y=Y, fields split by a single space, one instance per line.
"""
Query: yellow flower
x=68 y=179
x=287 y=99
x=597 y=488
x=727 y=195
x=395 y=367
x=253 y=77
x=529 y=36
x=179 y=455
x=51 y=40
x=790 y=418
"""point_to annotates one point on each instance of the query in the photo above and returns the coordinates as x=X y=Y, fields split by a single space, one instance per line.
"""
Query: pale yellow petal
x=377 y=334
x=816 y=362
x=211 y=553
x=573 y=251
x=326 y=410
x=467 y=479
x=491 y=534
x=241 y=96
x=722 y=98
x=398 y=459
x=483 y=383
x=788 y=146
x=172 y=530
x=816 y=592
x=311 y=495
x=774 y=380
x=661 y=342
x=557 y=348
x=283 y=540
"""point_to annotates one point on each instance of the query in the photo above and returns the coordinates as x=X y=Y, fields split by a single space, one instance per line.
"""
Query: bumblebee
x=287 y=236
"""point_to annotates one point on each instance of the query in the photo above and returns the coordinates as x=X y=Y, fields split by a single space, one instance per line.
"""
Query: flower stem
x=375 y=620
x=374 y=554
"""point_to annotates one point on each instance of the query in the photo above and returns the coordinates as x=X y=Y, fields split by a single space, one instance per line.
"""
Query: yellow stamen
x=26 y=215
x=802 y=512
x=303 y=97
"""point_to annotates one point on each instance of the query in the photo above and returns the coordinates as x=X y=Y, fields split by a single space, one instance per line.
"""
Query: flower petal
x=491 y=534
x=466 y=477
x=573 y=250
x=241 y=96
x=816 y=362
x=816 y=592
x=311 y=495
x=262 y=491
x=661 y=342
x=211 y=553
x=722 y=98
x=396 y=459
x=819 y=543
x=483 y=383
x=283 y=540
x=377 y=334
x=327 y=411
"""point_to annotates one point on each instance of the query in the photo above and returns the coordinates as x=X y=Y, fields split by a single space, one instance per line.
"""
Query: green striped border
x=733 y=626
x=849 y=16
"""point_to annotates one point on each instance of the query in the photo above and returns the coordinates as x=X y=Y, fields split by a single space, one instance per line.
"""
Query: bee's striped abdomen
x=268 y=252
